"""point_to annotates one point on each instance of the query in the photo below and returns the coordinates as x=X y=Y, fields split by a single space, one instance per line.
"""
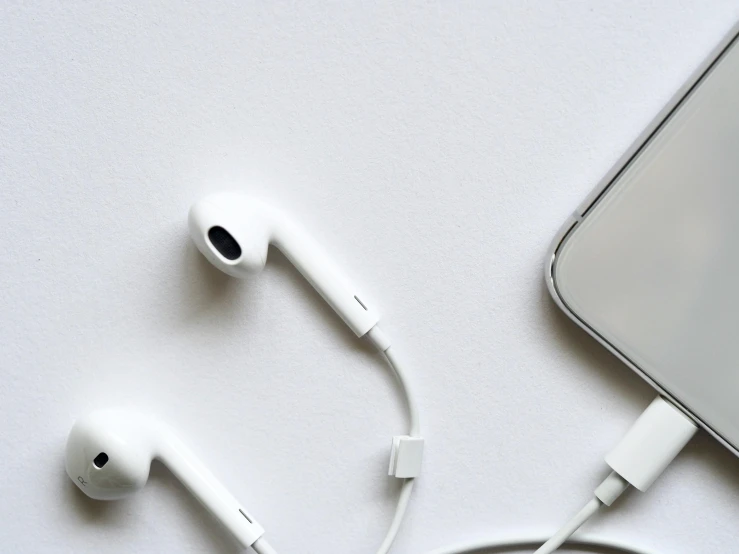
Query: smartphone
x=649 y=263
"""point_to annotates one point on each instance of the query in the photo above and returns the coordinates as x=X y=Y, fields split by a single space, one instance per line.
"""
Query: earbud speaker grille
x=224 y=243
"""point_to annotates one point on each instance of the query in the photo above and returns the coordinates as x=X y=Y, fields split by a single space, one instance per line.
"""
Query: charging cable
x=651 y=444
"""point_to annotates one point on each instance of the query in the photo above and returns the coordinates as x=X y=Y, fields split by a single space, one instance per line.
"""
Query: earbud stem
x=325 y=276
x=208 y=490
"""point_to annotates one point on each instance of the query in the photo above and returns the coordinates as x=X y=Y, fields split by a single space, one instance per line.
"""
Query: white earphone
x=109 y=454
x=233 y=231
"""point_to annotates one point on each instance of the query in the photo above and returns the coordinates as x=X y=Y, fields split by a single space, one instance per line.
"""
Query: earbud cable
x=382 y=343
x=261 y=546
x=641 y=456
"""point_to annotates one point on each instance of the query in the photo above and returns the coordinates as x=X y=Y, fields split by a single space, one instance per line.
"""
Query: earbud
x=233 y=231
x=109 y=454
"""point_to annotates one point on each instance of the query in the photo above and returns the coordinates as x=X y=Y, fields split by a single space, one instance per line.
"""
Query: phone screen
x=653 y=267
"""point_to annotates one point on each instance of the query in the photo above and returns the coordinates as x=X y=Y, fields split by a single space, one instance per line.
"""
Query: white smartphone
x=649 y=263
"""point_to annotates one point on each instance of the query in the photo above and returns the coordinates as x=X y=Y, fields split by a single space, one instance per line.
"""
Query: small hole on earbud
x=100 y=460
x=224 y=243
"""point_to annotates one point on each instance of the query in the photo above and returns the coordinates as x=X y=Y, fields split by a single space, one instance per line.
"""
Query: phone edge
x=569 y=226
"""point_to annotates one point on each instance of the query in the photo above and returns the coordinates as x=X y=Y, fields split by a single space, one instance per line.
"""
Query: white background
x=434 y=148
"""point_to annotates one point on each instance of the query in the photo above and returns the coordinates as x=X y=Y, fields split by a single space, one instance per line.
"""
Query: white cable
x=651 y=444
x=400 y=509
x=514 y=545
x=561 y=536
x=381 y=342
x=405 y=388
x=261 y=546
x=605 y=495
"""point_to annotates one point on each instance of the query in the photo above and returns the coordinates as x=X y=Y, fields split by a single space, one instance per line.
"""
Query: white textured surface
x=435 y=149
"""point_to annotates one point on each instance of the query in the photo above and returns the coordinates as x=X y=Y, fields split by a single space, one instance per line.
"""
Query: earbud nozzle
x=224 y=243
x=232 y=235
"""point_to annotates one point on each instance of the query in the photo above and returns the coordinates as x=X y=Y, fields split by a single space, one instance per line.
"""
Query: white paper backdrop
x=434 y=148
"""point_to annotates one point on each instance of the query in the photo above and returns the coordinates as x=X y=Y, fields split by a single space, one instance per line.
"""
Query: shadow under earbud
x=208 y=290
x=97 y=512
x=111 y=513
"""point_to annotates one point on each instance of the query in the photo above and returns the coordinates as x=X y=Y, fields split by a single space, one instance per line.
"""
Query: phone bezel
x=601 y=190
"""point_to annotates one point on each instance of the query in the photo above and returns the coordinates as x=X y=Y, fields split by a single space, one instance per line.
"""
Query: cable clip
x=406 y=457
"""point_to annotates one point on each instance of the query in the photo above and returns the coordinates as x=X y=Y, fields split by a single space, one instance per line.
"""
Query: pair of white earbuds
x=109 y=453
